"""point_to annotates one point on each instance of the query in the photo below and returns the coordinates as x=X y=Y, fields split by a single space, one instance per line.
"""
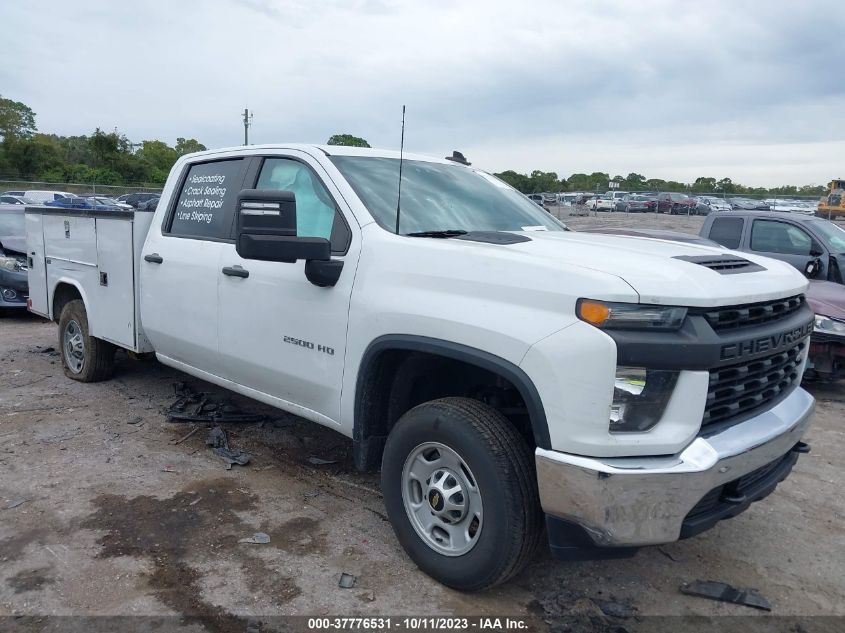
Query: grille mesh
x=745 y=387
x=734 y=317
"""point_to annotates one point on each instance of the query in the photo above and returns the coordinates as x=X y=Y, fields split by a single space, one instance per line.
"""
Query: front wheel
x=460 y=491
x=84 y=358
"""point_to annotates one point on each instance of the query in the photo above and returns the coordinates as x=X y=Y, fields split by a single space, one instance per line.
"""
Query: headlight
x=826 y=324
x=640 y=397
x=630 y=316
x=10 y=263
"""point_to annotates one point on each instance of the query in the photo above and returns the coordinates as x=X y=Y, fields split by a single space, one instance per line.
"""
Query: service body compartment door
x=114 y=295
x=70 y=250
x=37 y=265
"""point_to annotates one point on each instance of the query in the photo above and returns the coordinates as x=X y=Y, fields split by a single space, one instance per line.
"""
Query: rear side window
x=206 y=204
x=727 y=232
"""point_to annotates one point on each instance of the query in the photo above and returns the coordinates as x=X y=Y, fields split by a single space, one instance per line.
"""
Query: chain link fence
x=111 y=191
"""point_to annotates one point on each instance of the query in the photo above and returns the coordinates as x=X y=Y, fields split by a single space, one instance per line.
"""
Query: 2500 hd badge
x=309 y=345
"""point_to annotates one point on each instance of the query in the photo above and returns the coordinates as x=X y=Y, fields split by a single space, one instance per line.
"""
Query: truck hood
x=650 y=267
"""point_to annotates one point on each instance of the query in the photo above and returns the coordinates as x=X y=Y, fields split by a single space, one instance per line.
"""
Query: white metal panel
x=37 y=264
x=70 y=238
x=111 y=315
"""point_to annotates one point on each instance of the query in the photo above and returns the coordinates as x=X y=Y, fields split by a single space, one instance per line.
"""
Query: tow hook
x=801 y=447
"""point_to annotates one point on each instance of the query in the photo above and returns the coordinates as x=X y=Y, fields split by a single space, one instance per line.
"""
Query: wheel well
x=393 y=381
x=62 y=295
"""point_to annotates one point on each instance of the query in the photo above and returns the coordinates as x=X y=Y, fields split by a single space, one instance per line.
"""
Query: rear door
x=279 y=333
x=179 y=264
x=726 y=231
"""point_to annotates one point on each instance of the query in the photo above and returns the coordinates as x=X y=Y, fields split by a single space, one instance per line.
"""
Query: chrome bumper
x=643 y=501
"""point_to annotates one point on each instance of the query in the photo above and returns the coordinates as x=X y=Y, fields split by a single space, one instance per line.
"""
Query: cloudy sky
x=673 y=89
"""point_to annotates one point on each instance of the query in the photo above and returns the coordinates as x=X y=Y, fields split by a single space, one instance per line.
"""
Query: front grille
x=740 y=389
x=734 y=317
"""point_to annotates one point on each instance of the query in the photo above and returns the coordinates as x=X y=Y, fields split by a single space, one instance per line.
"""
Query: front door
x=280 y=334
x=787 y=242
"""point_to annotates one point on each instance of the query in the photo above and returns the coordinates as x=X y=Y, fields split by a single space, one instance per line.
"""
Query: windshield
x=438 y=197
x=835 y=235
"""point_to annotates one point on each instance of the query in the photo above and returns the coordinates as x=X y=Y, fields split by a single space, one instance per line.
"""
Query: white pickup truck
x=504 y=373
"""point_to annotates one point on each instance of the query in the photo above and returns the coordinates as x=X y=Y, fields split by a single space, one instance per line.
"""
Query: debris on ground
x=321 y=462
x=671 y=555
x=616 y=609
x=347 y=581
x=200 y=407
x=369 y=596
x=135 y=420
x=219 y=443
x=15 y=504
x=311 y=495
x=724 y=592
x=259 y=538
x=187 y=435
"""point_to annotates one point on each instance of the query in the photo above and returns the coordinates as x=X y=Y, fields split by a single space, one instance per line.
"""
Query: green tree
x=17 y=120
x=188 y=146
x=347 y=139
x=704 y=184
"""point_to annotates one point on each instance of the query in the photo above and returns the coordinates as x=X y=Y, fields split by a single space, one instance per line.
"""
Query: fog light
x=640 y=397
x=9 y=294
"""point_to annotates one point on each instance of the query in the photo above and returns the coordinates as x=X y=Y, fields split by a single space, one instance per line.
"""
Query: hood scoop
x=722 y=264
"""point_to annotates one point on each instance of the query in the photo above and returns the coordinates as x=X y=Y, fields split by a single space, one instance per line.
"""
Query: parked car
x=537 y=199
x=675 y=203
x=105 y=200
x=9 y=199
x=134 y=199
x=704 y=205
x=813 y=245
x=748 y=204
x=39 y=196
x=82 y=203
x=149 y=205
x=549 y=198
x=791 y=206
x=635 y=203
x=599 y=404
x=14 y=288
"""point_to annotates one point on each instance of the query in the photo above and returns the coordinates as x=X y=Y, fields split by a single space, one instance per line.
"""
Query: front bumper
x=629 y=502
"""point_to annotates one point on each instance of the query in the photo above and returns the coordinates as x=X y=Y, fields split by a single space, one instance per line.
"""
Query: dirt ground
x=106 y=508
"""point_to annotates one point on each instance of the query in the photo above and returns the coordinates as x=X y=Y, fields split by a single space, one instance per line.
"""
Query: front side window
x=206 y=204
x=727 y=231
x=439 y=197
x=771 y=236
x=316 y=213
x=835 y=235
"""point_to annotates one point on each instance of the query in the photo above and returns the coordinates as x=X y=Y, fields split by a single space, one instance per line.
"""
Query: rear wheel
x=84 y=357
x=460 y=491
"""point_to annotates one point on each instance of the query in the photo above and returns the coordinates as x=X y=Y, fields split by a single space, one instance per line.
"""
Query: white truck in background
x=502 y=372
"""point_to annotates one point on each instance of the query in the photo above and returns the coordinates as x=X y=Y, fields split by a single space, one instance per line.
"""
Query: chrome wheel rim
x=74 y=345
x=442 y=499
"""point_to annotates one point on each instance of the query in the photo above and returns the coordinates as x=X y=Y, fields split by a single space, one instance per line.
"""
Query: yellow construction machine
x=833 y=204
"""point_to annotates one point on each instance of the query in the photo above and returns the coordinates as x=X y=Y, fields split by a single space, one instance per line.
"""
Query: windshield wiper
x=442 y=234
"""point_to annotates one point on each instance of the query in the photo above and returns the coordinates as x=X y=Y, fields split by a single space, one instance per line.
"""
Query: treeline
x=548 y=181
x=106 y=158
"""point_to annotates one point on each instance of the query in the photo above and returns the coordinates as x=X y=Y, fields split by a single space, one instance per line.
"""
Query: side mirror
x=267 y=229
x=812 y=268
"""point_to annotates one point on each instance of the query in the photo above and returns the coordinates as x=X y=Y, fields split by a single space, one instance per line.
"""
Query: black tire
x=98 y=356
x=503 y=466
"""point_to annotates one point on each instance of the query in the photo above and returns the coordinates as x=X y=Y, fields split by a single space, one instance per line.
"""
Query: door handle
x=236 y=271
x=153 y=258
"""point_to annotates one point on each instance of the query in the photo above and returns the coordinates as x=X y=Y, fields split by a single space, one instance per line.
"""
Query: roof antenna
x=401 y=150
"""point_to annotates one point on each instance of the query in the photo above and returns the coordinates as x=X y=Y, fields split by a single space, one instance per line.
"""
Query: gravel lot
x=120 y=517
